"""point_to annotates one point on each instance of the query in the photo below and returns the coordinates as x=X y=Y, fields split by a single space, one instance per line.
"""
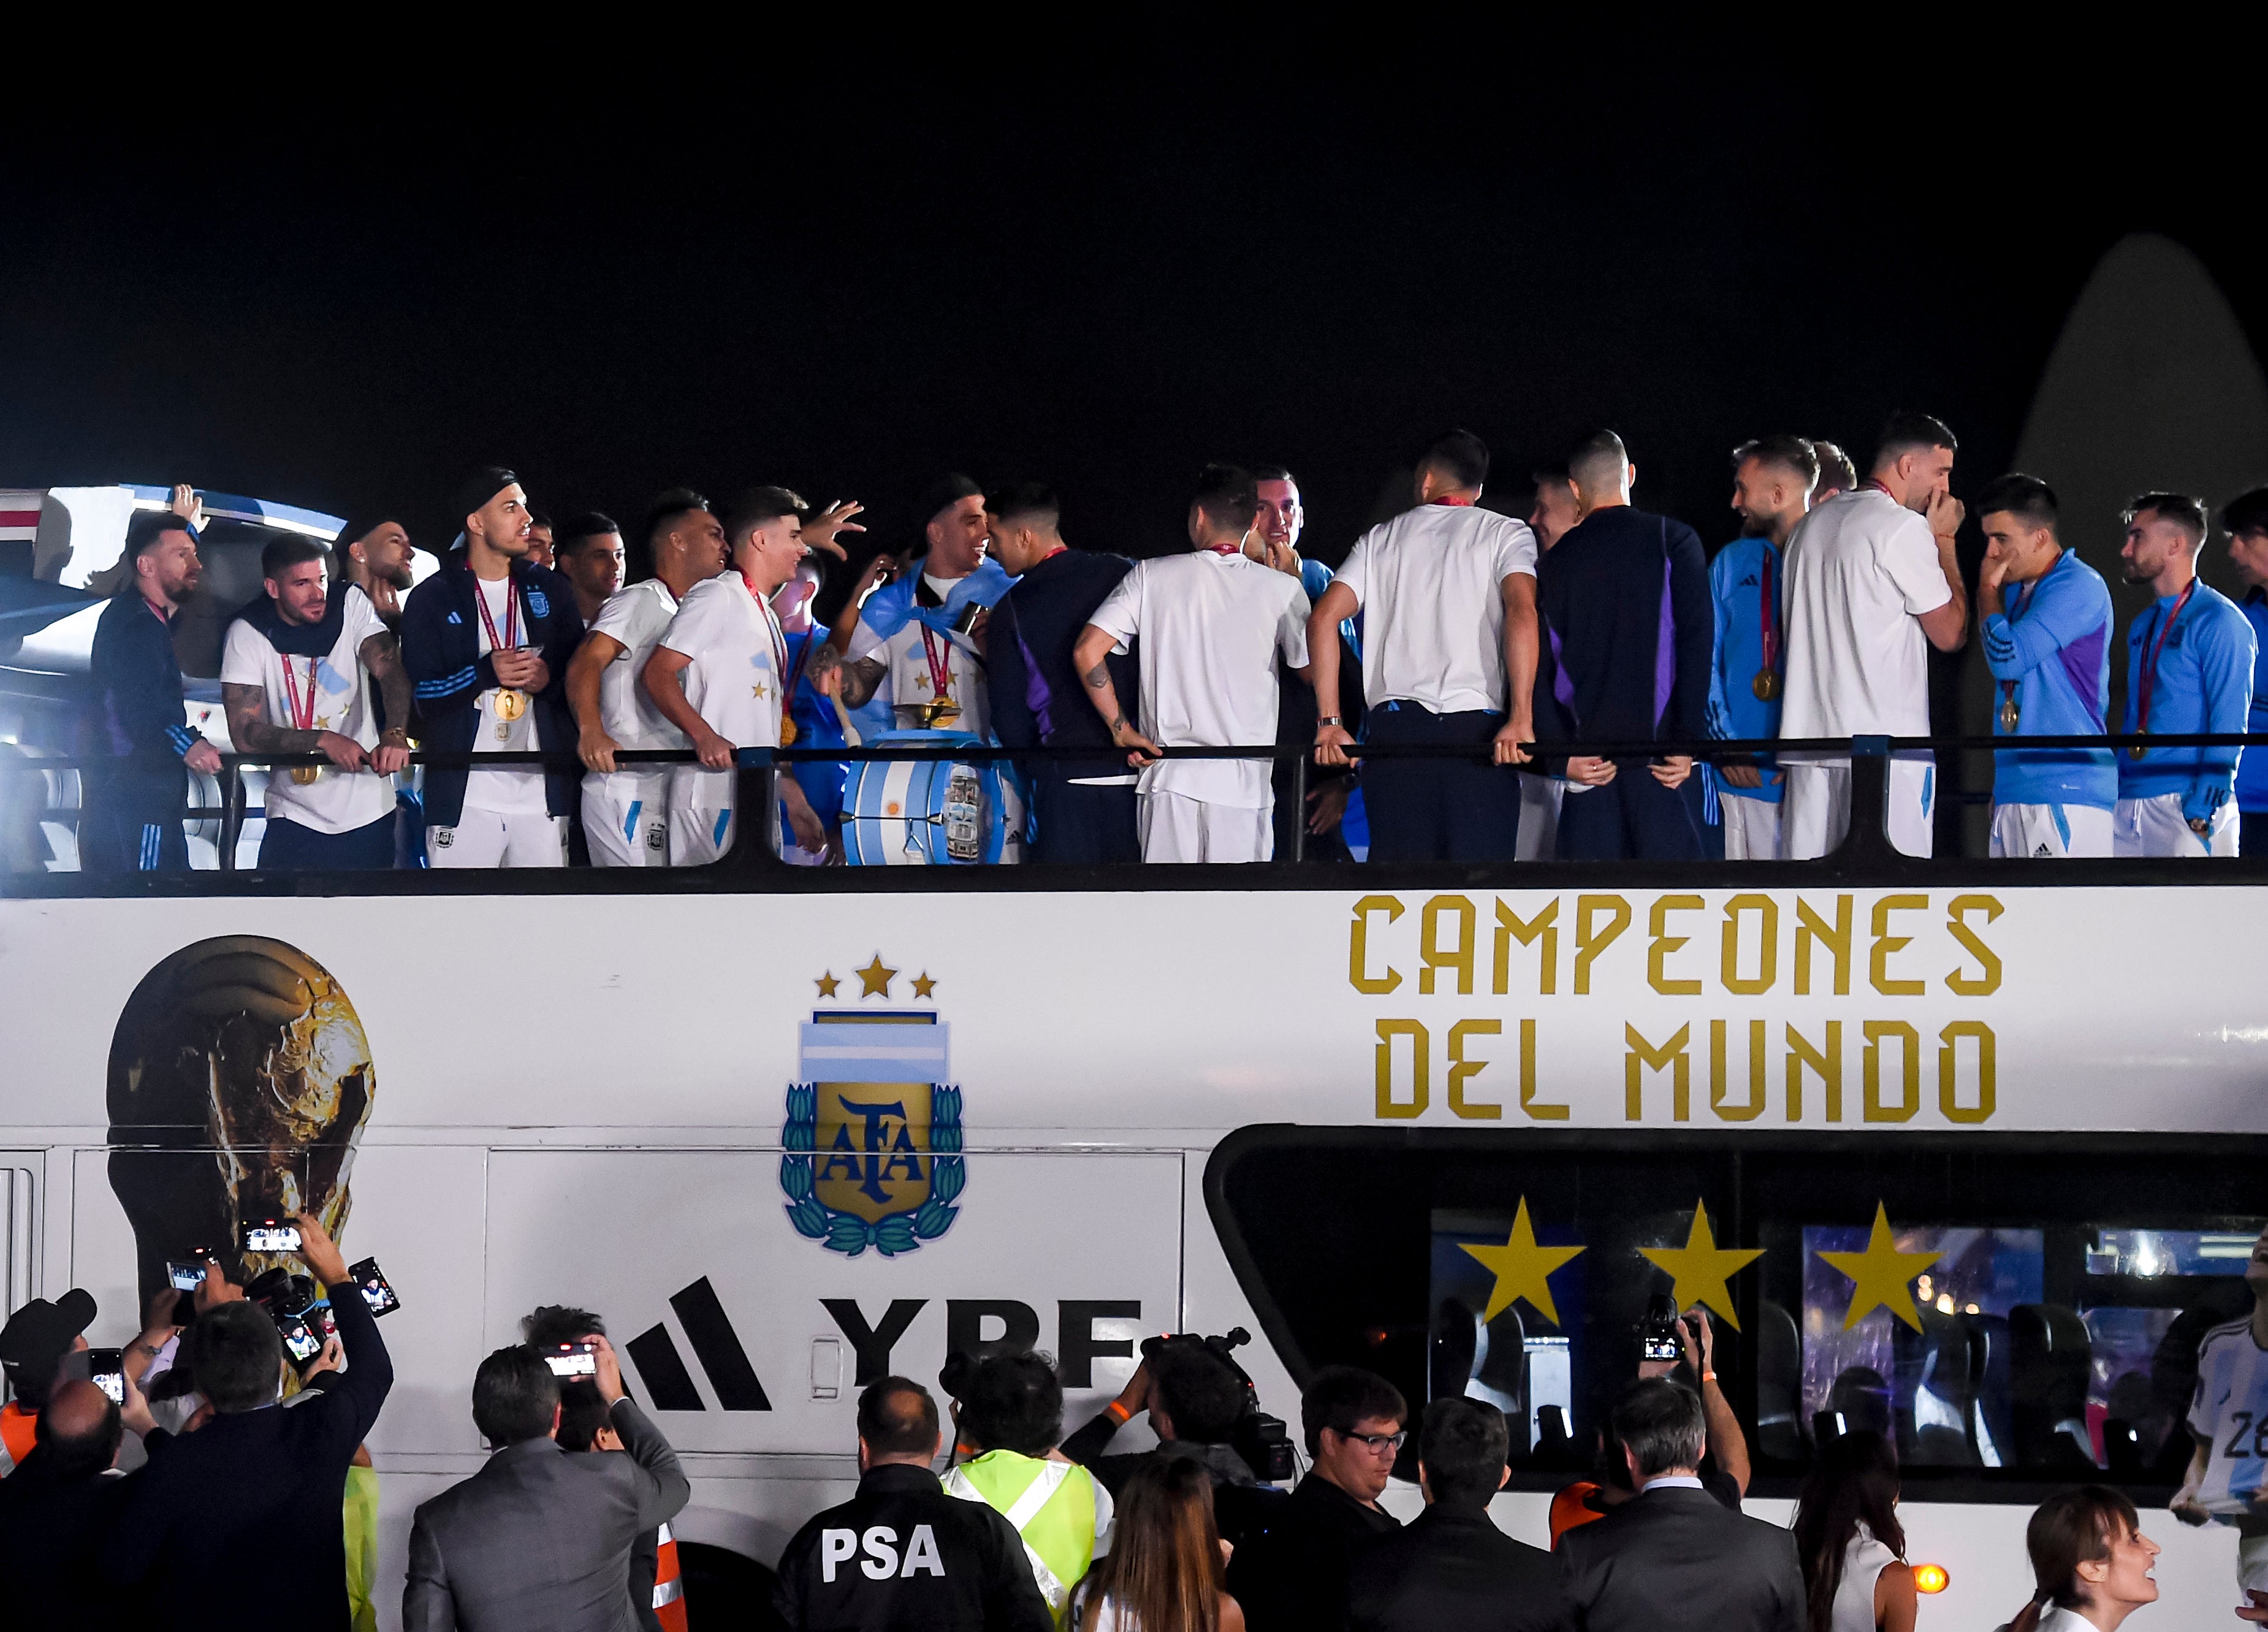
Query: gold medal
x=510 y=702
x=305 y=774
x=787 y=732
x=940 y=711
x=2009 y=716
x=2137 y=752
x=1765 y=686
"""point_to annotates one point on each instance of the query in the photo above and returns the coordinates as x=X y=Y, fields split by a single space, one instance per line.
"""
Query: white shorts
x=1815 y=811
x=626 y=819
x=2050 y=832
x=488 y=839
x=1751 y=827
x=2155 y=827
x=1539 y=818
x=698 y=836
x=1176 y=828
x=2252 y=1563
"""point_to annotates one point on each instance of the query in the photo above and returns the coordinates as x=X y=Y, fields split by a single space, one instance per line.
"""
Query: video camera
x=301 y=1313
x=1259 y=1438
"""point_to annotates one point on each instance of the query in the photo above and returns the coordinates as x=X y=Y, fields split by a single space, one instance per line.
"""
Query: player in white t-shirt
x=1869 y=585
x=626 y=809
x=2228 y=1477
x=717 y=674
x=295 y=675
x=1213 y=625
x=1448 y=594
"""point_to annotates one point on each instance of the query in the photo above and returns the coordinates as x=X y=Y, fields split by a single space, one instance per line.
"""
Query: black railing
x=1867 y=839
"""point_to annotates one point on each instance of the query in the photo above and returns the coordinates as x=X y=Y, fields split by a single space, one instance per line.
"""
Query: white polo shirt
x=636 y=617
x=333 y=695
x=1212 y=627
x=739 y=653
x=1860 y=570
x=1430 y=582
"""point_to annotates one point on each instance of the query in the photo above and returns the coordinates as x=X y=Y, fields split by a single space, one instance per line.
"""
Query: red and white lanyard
x=2153 y=647
x=941 y=663
x=774 y=635
x=302 y=714
x=510 y=640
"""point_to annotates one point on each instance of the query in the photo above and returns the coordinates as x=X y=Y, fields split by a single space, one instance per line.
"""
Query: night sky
x=848 y=277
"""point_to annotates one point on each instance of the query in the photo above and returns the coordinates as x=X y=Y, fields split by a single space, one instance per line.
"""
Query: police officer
x=902 y=1555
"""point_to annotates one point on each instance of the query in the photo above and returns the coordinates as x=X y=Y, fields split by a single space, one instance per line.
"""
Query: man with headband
x=486 y=641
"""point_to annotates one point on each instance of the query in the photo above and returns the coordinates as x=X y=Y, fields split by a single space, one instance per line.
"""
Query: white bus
x=1966 y=1151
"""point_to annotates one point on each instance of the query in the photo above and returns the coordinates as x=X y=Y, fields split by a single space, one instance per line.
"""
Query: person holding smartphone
x=253 y=1481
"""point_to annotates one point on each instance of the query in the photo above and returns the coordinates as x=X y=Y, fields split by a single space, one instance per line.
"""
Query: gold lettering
x=1358 y=947
x=1462 y=1068
x=1460 y=956
x=1811 y=927
x=1589 y=942
x=1510 y=926
x=1948 y=1040
x=1389 y=1108
x=1877 y=1032
x=1542 y=1113
x=1665 y=943
x=1827 y=1061
x=1767 y=912
x=1987 y=980
x=1753 y=1107
x=1644 y=1056
x=1878 y=964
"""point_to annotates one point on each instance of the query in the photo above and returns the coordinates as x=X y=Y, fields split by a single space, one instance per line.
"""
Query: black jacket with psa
x=903 y=1556
x=441 y=651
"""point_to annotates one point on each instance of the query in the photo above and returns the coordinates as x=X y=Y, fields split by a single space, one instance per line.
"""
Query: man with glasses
x=1296 y=1576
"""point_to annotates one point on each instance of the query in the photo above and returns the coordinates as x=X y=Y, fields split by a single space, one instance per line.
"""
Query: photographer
x=1195 y=1399
x=1725 y=1470
x=255 y=1483
x=538 y=1541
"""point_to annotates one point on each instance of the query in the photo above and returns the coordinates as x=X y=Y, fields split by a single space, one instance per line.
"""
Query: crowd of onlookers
x=1444 y=684
x=245 y=1496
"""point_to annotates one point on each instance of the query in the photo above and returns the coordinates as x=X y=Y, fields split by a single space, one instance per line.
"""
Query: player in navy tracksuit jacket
x=440 y=641
x=132 y=807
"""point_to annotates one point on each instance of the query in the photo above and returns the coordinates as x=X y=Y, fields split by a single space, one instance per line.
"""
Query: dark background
x=1166 y=247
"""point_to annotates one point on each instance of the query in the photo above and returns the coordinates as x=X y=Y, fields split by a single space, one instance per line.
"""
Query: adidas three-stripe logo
x=715 y=1344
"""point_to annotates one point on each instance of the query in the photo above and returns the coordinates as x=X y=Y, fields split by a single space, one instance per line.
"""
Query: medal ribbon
x=303 y=718
x=1768 y=611
x=775 y=637
x=940 y=665
x=511 y=617
x=2153 y=647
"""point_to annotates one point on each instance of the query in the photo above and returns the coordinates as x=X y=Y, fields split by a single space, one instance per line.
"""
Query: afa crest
x=872 y=1139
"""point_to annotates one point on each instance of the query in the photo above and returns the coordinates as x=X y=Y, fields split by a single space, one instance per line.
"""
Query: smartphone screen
x=571 y=1360
x=106 y=1368
x=270 y=1235
x=1662 y=1348
x=301 y=1341
x=376 y=1291
x=186 y=1277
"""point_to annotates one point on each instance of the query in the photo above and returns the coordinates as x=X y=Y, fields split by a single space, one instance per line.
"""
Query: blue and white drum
x=931 y=812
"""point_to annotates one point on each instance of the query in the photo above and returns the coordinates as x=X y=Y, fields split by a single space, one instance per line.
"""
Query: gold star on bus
x=874 y=979
x=1521 y=1268
x=827 y=983
x=1882 y=1276
x=923 y=984
x=1702 y=1267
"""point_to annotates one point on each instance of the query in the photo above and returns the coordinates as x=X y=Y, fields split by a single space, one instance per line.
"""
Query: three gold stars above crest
x=1880 y=1276
x=874 y=981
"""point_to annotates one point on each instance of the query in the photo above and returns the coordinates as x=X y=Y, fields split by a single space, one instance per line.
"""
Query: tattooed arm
x=1090 y=657
x=249 y=728
x=381 y=657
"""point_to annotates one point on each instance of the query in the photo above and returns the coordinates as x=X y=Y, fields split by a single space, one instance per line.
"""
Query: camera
x=297 y=1306
x=1259 y=1438
x=106 y=1368
x=570 y=1360
x=268 y=1235
x=186 y=1274
x=1657 y=1335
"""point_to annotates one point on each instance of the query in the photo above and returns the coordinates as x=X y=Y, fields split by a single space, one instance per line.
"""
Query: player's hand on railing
x=340 y=749
x=390 y=757
x=596 y=749
x=1671 y=770
x=1331 y=745
x=714 y=750
x=1590 y=770
x=204 y=758
x=1144 y=752
x=1507 y=750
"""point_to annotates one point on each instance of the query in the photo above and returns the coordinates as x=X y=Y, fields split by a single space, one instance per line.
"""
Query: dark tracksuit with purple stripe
x=1038 y=700
x=1629 y=634
x=138 y=732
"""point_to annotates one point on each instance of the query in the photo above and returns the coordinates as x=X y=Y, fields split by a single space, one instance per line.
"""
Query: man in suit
x=55 y=1510
x=1674 y=1557
x=256 y=1482
x=1452 y=1567
x=539 y=1540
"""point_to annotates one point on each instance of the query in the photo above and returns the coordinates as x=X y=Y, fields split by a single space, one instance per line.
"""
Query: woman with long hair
x=1847 y=1533
x=1166 y=1560
x=2091 y=1560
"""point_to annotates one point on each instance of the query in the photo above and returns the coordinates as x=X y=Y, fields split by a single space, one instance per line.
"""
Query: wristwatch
x=1329 y=720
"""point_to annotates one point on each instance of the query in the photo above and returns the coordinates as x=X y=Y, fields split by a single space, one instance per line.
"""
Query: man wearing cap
x=32 y=1349
x=140 y=740
x=920 y=641
x=486 y=641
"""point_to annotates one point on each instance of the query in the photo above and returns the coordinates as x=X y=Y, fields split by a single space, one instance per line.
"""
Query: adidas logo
x=715 y=1344
x=2043 y=850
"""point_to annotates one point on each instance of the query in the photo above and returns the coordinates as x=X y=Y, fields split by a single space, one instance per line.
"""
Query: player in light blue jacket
x=2043 y=616
x=1772 y=479
x=2245 y=519
x=2188 y=668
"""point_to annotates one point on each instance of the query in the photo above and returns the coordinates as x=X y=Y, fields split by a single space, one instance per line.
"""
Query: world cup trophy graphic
x=239 y=1081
